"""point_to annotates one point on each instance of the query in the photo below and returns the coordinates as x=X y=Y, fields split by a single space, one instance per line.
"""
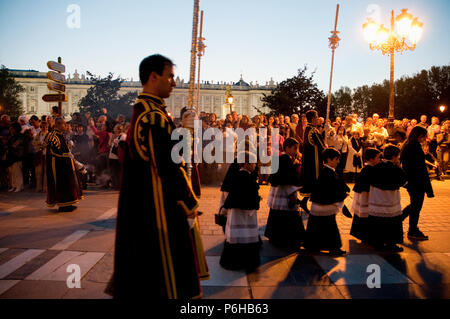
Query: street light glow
x=442 y=108
x=370 y=30
x=382 y=35
x=415 y=32
x=404 y=21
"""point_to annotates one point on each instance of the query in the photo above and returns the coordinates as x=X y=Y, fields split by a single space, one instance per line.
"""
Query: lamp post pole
x=391 y=79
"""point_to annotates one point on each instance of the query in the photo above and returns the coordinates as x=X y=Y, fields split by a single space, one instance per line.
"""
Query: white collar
x=326 y=165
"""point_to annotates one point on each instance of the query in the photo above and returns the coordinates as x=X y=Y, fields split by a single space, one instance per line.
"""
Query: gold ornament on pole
x=403 y=35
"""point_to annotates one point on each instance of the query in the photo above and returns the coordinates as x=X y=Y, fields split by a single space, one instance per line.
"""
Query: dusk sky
x=259 y=39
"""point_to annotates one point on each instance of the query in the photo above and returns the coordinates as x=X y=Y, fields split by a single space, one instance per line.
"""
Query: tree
x=295 y=95
x=439 y=80
x=343 y=101
x=379 y=99
x=361 y=100
x=105 y=94
x=10 y=89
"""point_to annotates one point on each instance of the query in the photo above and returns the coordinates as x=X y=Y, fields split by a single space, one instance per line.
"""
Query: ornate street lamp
x=403 y=35
x=230 y=101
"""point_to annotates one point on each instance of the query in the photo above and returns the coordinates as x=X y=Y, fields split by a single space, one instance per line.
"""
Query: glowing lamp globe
x=416 y=31
x=404 y=22
x=370 y=30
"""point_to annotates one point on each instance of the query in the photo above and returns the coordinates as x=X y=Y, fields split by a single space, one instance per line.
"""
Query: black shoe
x=70 y=208
x=337 y=252
x=346 y=212
x=417 y=235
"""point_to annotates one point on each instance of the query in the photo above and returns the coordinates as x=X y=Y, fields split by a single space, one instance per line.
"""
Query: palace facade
x=247 y=96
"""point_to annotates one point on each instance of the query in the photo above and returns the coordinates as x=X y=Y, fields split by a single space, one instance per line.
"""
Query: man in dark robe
x=63 y=185
x=158 y=249
x=313 y=146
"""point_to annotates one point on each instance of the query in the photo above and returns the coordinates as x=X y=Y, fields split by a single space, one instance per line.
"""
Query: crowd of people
x=309 y=168
x=350 y=136
x=94 y=144
x=315 y=157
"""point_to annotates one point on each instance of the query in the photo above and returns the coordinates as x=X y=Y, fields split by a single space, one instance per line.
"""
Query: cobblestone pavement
x=435 y=215
x=37 y=245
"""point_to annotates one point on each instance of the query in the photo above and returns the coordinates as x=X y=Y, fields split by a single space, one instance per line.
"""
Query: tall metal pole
x=200 y=49
x=193 y=54
x=334 y=43
x=190 y=106
x=329 y=88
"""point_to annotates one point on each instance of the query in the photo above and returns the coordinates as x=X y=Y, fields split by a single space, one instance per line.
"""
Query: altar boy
x=384 y=201
x=327 y=199
x=242 y=240
x=360 y=205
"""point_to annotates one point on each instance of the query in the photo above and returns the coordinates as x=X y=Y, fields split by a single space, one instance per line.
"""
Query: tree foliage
x=295 y=95
x=105 y=94
x=421 y=93
x=10 y=89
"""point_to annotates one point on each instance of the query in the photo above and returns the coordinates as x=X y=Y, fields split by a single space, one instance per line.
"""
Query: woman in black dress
x=413 y=163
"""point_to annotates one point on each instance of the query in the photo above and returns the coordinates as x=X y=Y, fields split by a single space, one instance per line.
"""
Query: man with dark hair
x=153 y=63
x=55 y=112
x=63 y=186
x=313 y=146
x=157 y=212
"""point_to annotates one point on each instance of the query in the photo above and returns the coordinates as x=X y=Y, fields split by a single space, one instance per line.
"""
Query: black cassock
x=284 y=226
x=322 y=232
x=63 y=184
x=242 y=244
x=388 y=178
x=157 y=254
x=361 y=190
x=313 y=146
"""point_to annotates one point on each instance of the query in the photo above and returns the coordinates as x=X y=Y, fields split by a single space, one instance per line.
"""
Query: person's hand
x=191 y=222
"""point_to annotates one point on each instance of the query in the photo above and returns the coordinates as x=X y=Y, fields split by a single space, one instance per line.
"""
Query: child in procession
x=360 y=205
x=385 y=209
x=242 y=243
x=284 y=224
x=327 y=197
